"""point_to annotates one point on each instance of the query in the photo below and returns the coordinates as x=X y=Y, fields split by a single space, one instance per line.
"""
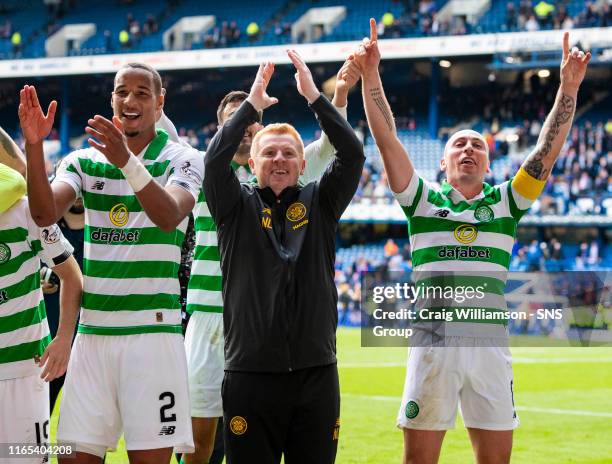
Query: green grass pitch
x=563 y=397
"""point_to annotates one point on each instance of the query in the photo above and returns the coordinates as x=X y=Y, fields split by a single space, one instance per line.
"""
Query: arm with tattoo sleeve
x=558 y=123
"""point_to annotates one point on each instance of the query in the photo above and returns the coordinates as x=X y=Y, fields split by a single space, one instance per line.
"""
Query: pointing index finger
x=373 y=31
x=565 y=44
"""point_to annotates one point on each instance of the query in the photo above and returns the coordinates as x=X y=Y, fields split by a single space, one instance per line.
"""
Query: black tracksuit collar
x=287 y=195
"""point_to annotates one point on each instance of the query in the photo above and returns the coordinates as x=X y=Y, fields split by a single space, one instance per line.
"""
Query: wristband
x=136 y=174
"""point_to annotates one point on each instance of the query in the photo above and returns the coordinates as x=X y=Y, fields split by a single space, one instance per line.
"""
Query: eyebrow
x=282 y=147
x=477 y=139
x=121 y=86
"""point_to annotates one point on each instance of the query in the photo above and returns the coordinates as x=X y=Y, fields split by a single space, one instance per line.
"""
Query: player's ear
x=443 y=164
x=159 y=104
x=252 y=165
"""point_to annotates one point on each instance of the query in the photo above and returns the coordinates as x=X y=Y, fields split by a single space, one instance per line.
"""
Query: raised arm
x=539 y=163
x=340 y=181
x=47 y=204
x=221 y=186
x=380 y=118
x=319 y=153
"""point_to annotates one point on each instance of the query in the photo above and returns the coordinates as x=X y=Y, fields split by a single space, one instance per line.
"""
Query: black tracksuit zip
x=279 y=311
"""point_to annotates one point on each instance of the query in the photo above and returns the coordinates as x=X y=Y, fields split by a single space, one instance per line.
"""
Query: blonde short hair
x=277 y=129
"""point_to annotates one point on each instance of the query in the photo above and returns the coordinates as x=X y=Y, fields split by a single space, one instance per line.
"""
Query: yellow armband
x=12 y=187
x=526 y=185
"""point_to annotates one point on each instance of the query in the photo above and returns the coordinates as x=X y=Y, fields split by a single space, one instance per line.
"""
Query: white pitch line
x=516 y=360
x=564 y=412
x=522 y=360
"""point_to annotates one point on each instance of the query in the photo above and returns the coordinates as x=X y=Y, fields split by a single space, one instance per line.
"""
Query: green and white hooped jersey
x=24 y=333
x=130 y=266
x=204 y=290
x=465 y=242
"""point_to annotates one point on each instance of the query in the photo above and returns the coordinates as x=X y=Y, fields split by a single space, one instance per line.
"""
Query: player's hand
x=54 y=360
x=347 y=77
x=113 y=143
x=35 y=125
x=573 y=65
x=47 y=287
x=258 y=97
x=303 y=78
x=367 y=56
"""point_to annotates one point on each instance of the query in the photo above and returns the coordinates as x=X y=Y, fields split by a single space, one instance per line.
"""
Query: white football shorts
x=477 y=378
x=131 y=383
x=24 y=416
x=205 y=361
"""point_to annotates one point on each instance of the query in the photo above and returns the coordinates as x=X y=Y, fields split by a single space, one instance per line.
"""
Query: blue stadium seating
x=494 y=20
x=29 y=18
x=375 y=255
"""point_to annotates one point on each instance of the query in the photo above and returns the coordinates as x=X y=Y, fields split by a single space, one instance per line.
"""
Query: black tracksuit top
x=279 y=313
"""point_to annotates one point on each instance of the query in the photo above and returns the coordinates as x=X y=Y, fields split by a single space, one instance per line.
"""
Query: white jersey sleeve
x=187 y=170
x=54 y=247
x=409 y=195
x=70 y=172
x=319 y=154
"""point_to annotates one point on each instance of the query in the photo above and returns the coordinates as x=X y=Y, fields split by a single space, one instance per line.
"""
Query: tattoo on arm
x=534 y=165
x=378 y=98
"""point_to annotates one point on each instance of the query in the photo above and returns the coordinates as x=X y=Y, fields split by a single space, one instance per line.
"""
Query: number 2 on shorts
x=163 y=417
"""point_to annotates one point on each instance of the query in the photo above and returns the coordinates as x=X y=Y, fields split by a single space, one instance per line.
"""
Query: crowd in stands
x=527 y=16
x=133 y=32
x=551 y=256
x=219 y=37
x=583 y=170
x=415 y=18
x=420 y=18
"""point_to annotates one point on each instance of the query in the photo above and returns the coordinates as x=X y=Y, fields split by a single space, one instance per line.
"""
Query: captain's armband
x=526 y=185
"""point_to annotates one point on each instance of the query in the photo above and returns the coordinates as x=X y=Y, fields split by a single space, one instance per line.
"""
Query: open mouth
x=468 y=161
x=279 y=172
x=130 y=116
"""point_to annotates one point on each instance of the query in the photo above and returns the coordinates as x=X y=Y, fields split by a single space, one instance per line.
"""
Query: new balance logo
x=98 y=185
x=3 y=297
x=167 y=430
x=441 y=213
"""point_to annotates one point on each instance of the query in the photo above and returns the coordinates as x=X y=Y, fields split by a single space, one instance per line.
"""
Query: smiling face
x=277 y=160
x=136 y=101
x=466 y=159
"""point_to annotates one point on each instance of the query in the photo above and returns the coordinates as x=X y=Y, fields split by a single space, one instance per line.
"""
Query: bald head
x=467 y=133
